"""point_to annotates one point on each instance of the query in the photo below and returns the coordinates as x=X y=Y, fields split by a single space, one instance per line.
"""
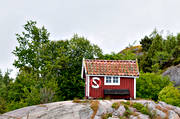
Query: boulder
x=113 y=118
x=69 y=110
x=120 y=111
x=173 y=115
x=133 y=117
x=63 y=110
x=177 y=110
x=132 y=109
x=143 y=116
x=160 y=113
x=174 y=74
x=105 y=106
x=97 y=117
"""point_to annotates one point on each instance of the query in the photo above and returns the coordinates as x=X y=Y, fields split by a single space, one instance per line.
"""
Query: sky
x=111 y=24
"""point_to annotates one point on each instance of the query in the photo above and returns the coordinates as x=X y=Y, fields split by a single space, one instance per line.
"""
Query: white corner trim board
x=88 y=85
x=134 y=88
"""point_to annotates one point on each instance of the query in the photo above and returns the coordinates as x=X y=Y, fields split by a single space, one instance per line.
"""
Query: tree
x=30 y=42
x=5 y=86
x=71 y=85
x=146 y=43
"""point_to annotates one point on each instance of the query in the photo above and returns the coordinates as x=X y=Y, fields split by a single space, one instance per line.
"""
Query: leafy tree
x=52 y=67
x=30 y=43
x=146 y=43
x=145 y=63
x=125 y=55
x=5 y=86
x=3 y=107
x=159 y=60
x=169 y=43
x=71 y=85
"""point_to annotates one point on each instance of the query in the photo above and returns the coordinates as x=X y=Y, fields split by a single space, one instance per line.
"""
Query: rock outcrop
x=83 y=110
x=174 y=74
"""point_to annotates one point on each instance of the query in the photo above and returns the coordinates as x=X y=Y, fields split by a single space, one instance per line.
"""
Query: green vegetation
x=50 y=70
x=128 y=112
x=143 y=109
x=106 y=116
x=150 y=84
x=159 y=52
x=116 y=105
x=125 y=103
x=170 y=95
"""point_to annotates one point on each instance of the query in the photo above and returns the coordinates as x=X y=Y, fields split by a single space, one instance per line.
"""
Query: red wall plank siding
x=125 y=83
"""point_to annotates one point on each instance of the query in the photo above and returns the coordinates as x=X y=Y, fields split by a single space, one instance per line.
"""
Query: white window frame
x=105 y=77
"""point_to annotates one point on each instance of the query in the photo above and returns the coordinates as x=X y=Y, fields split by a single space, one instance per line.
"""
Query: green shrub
x=115 y=105
x=150 y=84
x=138 y=106
x=170 y=95
x=126 y=107
x=16 y=105
x=125 y=103
x=145 y=110
x=3 y=107
x=127 y=113
x=106 y=116
x=76 y=100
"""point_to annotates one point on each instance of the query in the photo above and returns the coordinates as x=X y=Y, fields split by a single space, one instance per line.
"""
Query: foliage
x=2 y=105
x=143 y=109
x=116 y=105
x=146 y=43
x=30 y=43
x=125 y=103
x=5 y=86
x=138 y=106
x=150 y=84
x=106 y=116
x=125 y=55
x=159 y=52
x=170 y=95
x=128 y=112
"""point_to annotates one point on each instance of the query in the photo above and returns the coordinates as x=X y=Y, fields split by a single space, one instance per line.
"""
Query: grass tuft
x=77 y=100
x=106 y=116
x=116 y=105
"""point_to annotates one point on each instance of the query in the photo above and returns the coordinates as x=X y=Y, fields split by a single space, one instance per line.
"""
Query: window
x=112 y=80
x=108 y=79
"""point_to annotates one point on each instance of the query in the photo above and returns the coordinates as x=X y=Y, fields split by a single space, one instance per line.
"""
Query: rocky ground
x=174 y=73
x=97 y=109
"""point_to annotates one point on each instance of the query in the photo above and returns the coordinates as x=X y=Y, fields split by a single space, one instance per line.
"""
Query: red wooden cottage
x=110 y=78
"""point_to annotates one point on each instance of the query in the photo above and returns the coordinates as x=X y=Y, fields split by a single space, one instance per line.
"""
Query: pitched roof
x=111 y=67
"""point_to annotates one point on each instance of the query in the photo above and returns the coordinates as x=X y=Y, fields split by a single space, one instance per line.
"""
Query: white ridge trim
x=114 y=76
